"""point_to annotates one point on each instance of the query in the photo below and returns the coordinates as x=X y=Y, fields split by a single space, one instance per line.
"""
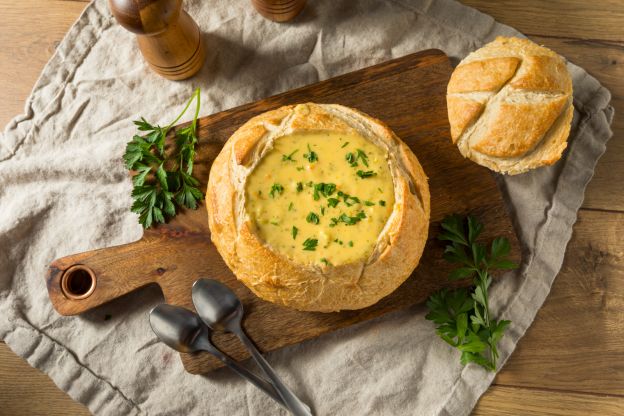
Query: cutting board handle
x=83 y=281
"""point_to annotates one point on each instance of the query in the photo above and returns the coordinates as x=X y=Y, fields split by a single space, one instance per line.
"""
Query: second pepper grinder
x=279 y=10
x=168 y=37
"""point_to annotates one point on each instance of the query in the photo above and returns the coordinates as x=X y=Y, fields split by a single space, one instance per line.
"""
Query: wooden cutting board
x=409 y=95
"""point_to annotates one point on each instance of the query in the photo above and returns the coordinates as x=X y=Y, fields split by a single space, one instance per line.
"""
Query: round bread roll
x=510 y=105
x=318 y=207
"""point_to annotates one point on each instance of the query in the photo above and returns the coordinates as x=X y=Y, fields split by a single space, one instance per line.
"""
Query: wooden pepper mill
x=279 y=10
x=168 y=37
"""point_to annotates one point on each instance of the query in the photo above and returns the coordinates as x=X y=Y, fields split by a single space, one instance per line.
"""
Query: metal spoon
x=219 y=307
x=184 y=331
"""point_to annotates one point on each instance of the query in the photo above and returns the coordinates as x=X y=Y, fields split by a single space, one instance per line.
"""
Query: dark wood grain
x=176 y=254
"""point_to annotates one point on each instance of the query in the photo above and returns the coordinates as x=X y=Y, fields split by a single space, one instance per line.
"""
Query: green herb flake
x=299 y=187
x=351 y=159
x=350 y=243
x=361 y=155
x=310 y=244
x=369 y=203
x=365 y=174
x=382 y=203
x=289 y=158
x=276 y=188
x=325 y=261
x=291 y=206
x=332 y=202
x=325 y=189
x=311 y=155
x=294 y=232
x=344 y=145
x=299 y=168
x=312 y=218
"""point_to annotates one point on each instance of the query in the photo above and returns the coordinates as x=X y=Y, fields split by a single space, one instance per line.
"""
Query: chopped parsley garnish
x=348 y=220
x=276 y=188
x=325 y=189
x=288 y=158
x=350 y=157
x=291 y=206
x=353 y=158
x=325 y=261
x=312 y=218
x=369 y=203
x=350 y=243
x=332 y=202
x=311 y=155
x=310 y=244
x=348 y=199
x=299 y=168
x=274 y=222
x=294 y=232
x=365 y=174
x=380 y=191
x=322 y=210
x=362 y=156
x=299 y=187
x=344 y=145
x=382 y=203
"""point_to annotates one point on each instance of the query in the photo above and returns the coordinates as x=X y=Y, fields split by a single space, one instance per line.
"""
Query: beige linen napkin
x=63 y=189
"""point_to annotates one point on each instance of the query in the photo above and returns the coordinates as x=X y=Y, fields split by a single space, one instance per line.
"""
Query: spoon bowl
x=220 y=308
x=217 y=305
x=184 y=331
x=179 y=328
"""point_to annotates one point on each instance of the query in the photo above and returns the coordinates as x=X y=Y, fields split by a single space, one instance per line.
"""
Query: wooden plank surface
x=175 y=254
x=515 y=401
x=567 y=31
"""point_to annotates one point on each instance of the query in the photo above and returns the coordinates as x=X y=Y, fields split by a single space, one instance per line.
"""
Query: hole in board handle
x=78 y=282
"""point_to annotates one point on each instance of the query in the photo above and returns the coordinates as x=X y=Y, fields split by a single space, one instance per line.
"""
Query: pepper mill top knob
x=145 y=17
x=168 y=37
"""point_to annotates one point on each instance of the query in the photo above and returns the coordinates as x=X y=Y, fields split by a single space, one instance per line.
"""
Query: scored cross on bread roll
x=510 y=105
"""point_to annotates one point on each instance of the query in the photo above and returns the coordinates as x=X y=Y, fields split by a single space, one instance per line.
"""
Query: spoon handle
x=260 y=383
x=296 y=406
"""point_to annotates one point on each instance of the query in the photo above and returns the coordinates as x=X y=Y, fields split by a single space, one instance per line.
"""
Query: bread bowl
x=510 y=105
x=365 y=188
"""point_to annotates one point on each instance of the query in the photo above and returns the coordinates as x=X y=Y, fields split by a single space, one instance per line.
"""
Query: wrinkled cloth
x=64 y=189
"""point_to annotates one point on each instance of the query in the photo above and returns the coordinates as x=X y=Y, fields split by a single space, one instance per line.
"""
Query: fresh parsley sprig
x=160 y=190
x=463 y=317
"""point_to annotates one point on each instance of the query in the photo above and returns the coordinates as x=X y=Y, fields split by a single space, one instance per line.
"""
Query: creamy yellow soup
x=321 y=198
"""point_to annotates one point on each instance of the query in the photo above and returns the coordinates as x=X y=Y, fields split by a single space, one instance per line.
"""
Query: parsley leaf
x=463 y=317
x=310 y=244
x=158 y=191
x=294 y=232
x=365 y=174
x=276 y=188
x=288 y=158
x=311 y=155
x=312 y=218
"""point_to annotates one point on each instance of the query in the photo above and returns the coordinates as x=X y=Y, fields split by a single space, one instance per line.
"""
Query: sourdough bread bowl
x=510 y=106
x=318 y=207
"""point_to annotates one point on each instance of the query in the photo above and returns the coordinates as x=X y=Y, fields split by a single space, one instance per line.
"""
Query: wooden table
x=571 y=361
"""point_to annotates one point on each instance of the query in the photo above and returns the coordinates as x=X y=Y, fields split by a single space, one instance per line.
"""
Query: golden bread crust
x=276 y=278
x=510 y=105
